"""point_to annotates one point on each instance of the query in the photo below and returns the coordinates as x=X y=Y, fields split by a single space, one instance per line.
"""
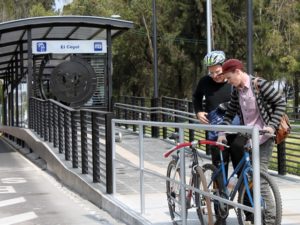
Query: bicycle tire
x=173 y=192
x=274 y=191
x=220 y=210
x=203 y=203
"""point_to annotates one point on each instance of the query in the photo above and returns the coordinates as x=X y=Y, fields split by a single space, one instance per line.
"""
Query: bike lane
x=29 y=195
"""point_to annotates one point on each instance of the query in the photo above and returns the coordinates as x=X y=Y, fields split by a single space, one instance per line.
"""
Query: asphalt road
x=30 y=196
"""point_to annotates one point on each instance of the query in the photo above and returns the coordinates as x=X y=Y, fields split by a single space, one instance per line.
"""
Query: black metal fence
x=83 y=136
x=286 y=156
x=164 y=110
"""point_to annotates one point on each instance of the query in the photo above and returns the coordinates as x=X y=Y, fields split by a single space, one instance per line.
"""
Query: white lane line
x=18 y=218
x=7 y=190
x=12 y=201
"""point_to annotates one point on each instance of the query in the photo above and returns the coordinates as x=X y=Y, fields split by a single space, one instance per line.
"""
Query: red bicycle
x=197 y=181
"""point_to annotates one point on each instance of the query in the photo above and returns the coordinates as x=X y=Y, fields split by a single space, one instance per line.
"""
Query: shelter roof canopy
x=14 y=34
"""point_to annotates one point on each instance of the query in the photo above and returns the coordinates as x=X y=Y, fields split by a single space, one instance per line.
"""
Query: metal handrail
x=65 y=127
x=181 y=126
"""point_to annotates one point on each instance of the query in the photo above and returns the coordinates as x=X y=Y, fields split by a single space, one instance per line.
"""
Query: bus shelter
x=66 y=58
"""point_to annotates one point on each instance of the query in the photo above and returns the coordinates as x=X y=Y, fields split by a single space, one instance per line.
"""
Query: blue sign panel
x=98 y=46
x=41 y=47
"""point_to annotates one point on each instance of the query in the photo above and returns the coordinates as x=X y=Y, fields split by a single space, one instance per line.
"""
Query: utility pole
x=208 y=24
x=249 y=37
x=154 y=43
x=155 y=100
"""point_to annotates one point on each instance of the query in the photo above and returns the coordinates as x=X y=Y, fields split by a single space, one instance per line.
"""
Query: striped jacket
x=270 y=103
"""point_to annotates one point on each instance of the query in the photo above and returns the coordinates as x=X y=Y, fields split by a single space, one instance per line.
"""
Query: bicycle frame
x=244 y=166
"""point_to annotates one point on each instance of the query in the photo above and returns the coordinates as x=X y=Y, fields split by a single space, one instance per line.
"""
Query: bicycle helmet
x=214 y=58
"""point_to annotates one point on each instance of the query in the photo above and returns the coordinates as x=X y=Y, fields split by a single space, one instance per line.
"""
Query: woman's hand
x=202 y=117
x=222 y=138
x=269 y=129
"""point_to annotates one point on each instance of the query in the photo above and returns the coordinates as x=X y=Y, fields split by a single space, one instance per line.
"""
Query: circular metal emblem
x=73 y=82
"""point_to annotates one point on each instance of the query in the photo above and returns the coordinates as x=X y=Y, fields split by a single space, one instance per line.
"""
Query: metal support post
x=67 y=125
x=74 y=139
x=110 y=143
x=281 y=157
x=256 y=176
x=84 y=144
x=191 y=131
x=154 y=117
x=182 y=179
x=95 y=147
x=141 y=163
x=249 y=37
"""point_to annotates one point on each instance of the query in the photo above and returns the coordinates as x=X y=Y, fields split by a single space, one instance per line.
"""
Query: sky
x=60 y=3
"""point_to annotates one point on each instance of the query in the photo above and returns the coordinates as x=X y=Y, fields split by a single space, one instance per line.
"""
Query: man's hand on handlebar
x=202 y=117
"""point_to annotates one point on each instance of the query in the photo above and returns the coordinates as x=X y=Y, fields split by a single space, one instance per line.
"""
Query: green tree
x=181 y=29
x=16 y=9
x=40 y=10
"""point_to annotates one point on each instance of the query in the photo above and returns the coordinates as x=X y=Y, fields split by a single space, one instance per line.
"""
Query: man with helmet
x=216 y=91
x=213 y=87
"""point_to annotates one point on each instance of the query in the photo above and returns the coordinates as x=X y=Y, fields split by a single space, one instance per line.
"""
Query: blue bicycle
x=218 y=184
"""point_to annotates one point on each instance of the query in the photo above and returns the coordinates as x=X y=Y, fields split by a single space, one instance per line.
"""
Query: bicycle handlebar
x=260 y=132
x=221 y=146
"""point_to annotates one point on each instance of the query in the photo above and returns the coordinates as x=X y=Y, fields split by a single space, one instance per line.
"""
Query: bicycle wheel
x=203 y=203
x=271 y=207
x=173 y=192
x=220 y=210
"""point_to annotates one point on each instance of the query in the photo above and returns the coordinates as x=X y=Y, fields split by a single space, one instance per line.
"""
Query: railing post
x=126 y=112
x=31 y=114
x=118 y=111
x=191 y=131
x=55 y=124
x=109 y=153
x=164 y=119
x=154 y=117
x=134 y=117
x=42 y=118
x=281 y=158
x=176 y=119
x=50 y=117
x=74 y=139
x=95 y=148
x=40 y=114
x=67 y=134
x=60 y=130
x=84 y=149
x=143 y=114
x=46 y=121
x=36 y=117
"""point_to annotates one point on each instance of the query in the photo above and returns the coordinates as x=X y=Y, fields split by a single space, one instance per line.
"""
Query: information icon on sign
x=41 y=46
x=98 y=46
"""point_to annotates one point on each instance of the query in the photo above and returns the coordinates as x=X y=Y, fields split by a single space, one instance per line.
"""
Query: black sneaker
x=249 y=219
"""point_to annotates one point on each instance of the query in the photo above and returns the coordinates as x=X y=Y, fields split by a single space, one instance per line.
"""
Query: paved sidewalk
x=156 y=209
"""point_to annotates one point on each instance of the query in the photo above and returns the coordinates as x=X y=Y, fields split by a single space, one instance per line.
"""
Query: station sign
x=69 y=46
